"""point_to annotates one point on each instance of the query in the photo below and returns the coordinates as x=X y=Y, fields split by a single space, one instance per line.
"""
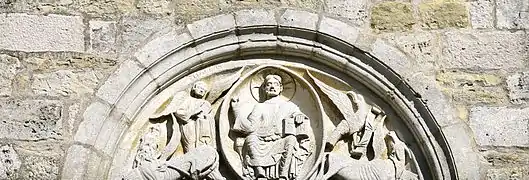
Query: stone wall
x=466 y=59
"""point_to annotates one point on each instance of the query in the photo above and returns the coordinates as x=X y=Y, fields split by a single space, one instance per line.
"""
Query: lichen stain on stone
x=472 y=88
x=443 y=14
x=455 y=78
x=392 y=16
x=164 y=105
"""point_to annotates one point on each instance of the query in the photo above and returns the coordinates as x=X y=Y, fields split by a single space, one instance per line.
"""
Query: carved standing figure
x=272 y=131
x=194 y=132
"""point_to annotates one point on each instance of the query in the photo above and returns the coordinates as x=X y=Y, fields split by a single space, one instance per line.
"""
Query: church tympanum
x=270 y=119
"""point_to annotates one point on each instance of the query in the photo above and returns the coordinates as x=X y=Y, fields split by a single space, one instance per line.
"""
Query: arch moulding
x=306 y=47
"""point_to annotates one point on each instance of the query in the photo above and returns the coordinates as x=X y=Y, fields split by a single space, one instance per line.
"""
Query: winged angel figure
x=364 y=123
x=189 y=115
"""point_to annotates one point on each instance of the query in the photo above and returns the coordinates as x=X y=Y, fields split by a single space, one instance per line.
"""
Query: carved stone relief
x=271 y=119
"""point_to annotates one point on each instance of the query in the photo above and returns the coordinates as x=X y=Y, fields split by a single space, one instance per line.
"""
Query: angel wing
x=170 y=105
x=340 y=99
x=222 y=83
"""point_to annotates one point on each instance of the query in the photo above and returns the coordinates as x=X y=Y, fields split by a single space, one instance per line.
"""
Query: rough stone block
x=514 y=173
x=394 y=58
x=500 y=126
x=103 y=37
x=76 y=161
x=30 y=119
x=93 y=118
x=443 y=14
x=191 y=10
x=482 y=14
x=339 y=29
x=211 y=25
x=485 y=50
x=254 y=17
x=438 y=103
x=392 y=16
x=108 y=138
x=9 y=162
x=472 y=88
x=118 y=82
x=143 y=83
x=512 y=14
x=9 y=67
x=49 y=62
x=65 y=83
x=160 y=46
x=40 y=167
x=136 y=30
x=518 y=85
x=355 y=12
x=155 y=7
x=422 y=47
x=104 y=8
x=23 y=32
x=466 y=157
x=299 y=19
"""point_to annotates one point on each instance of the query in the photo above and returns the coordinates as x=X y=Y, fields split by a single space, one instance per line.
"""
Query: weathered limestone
x=512 y=14
x=103 y=37
x=517 y=85
x=472 y=88
x=392 y=16
x=339 y=29
x=424 y=48
x=507 y=163
x=9 y=162
x=482 y=14
x=394 y=58
x=65 y=83
x=253 y=17
x=76 y=162
x=116 y=83
x=31 y=119
x=443 y=14
x=93 y=118
x=354 y=11
x=23 y=32
x=9 y=67
x=500 y=126
x=484 y=50
x=155 y=7
x=136 y=30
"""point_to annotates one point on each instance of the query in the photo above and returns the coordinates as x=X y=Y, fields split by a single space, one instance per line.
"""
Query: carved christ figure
x=271 y=129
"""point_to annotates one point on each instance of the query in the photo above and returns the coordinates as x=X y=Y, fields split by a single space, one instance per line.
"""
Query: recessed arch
x=177 y=52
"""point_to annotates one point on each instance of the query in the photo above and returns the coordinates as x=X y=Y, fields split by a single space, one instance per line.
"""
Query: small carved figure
x=199 y=163
x=194 y=133
x=393 y=168
x=347 y=127
x=194 y=122
x=273 y=127
x=147 y=151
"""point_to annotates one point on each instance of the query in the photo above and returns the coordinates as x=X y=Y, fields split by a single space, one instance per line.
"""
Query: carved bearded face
x=273 y=86
x=199 y=90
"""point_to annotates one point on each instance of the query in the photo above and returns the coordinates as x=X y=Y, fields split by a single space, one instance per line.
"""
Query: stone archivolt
x=232 y=98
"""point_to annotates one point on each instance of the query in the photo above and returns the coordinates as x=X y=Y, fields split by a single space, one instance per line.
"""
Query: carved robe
x=271 y=130
x=195 y=123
